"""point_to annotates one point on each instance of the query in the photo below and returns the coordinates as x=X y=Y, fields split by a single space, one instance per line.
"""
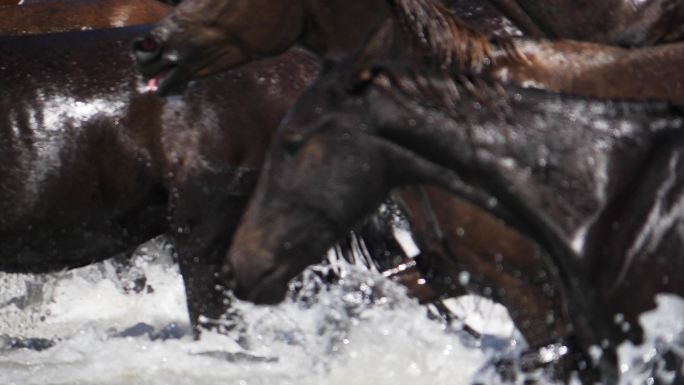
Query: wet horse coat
x=202 y=37
x=595 y=181
x=74 y=15
x=92 y=165
x=178 y=50
x=623 y=22
x=531 y=322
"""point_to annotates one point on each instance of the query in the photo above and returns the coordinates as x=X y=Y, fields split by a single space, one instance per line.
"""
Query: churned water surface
x=363 y=330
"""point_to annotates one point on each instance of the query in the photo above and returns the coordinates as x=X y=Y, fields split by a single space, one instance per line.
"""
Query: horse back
x=74 y=15
x=78 y=155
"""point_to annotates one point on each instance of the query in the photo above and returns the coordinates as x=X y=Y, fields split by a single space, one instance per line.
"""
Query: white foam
x=362 y=331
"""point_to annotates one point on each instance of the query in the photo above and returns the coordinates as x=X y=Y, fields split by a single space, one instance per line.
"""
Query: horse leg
x=205 y=212
x=468 y=250
x=429 y=239
x=465 y=250
x=643 y=256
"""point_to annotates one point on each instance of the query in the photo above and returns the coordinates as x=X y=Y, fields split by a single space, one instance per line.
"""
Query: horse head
x=203 y=37
x=548 y=165
x=275 y=242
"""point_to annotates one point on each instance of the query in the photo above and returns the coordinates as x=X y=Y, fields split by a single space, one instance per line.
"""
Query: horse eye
x=172 y=3
x=291 y=141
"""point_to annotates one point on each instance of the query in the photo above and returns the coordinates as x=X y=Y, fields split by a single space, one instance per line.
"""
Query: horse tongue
x=153 y=84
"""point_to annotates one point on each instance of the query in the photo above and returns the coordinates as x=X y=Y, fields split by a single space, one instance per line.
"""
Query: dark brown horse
x=184 y=47
x=74 y=15
x=91 y=165
x=623 y=22
x=598 y=182
x=202 y=37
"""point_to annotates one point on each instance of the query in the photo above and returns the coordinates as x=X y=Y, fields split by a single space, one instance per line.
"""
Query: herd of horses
x=547 y=169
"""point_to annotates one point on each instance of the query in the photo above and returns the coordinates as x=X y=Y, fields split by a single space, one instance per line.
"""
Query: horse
x=92 y=164
x=184 y=47
x=190 y=187
x=592 y=181
x=202 y=37
x=530 y=319
x=73 y=15
x=621 y=22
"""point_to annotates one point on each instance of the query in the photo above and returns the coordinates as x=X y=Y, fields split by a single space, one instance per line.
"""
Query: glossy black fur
x=91 y=165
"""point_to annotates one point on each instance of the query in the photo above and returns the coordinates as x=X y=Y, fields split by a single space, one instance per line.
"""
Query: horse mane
x=440 y=89
x=452 y=41
x=455 y=92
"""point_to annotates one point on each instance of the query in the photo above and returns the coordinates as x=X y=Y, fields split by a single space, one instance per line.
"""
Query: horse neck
x=429 y=29
x=474 y=127
x=339 y=27
x=421 y=27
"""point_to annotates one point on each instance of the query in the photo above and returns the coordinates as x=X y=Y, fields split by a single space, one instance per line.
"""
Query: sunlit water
x=361 y=331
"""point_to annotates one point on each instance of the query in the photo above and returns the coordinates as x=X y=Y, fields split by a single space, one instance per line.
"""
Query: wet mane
x=456 y=94
x=441 y=89
x=454 y=43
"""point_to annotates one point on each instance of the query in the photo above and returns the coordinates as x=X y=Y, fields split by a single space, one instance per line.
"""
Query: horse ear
x=372 y=52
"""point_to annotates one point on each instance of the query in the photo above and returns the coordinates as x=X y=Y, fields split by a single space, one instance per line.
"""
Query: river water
x=363 y=330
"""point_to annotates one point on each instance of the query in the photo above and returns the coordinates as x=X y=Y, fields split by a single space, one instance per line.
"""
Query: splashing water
x=362 y=330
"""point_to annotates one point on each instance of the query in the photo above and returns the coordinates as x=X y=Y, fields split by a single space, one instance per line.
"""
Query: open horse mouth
x=161 y=69
x=166 y=82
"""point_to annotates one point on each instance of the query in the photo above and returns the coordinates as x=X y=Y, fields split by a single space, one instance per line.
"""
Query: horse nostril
x=146 y=49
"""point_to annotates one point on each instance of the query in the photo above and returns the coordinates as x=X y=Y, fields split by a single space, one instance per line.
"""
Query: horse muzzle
x=262 y=285
x=158 y=66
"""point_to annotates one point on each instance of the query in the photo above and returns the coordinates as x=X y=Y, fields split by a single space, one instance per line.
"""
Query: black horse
x=596 y=183
x=623 y=22
x=92 y=165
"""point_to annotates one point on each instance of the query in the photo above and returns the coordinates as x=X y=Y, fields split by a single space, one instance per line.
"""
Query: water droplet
x=550 y=318
x=464 y=278
x=595 y=352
